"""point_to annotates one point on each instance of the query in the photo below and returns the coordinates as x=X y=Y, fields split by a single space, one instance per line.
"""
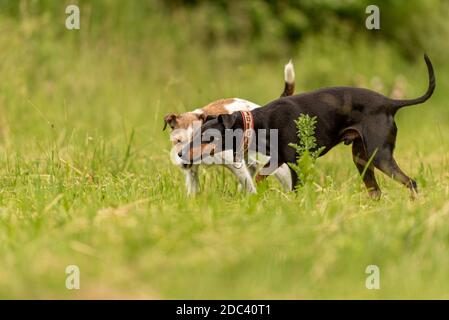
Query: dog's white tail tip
x=289 y=72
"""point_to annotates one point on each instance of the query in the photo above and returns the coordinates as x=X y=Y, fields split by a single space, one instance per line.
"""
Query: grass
x=86 y=179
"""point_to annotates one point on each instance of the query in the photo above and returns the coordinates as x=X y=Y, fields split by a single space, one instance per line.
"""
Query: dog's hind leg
x=385 y=162
x=361 y=161
x=192 y=181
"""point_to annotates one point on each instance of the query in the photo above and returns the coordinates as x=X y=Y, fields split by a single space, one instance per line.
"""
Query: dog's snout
x=186 y=160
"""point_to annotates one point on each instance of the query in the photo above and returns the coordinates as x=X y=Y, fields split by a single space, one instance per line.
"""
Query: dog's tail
x=397 y=104
x=289 y=78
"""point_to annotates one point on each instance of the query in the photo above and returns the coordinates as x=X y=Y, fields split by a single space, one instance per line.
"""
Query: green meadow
x=86 y=179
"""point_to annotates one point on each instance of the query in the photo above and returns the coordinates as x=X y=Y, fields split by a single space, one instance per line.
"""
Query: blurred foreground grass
x=73 y=103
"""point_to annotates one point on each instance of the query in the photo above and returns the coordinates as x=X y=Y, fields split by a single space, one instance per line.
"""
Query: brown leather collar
x=248 y=129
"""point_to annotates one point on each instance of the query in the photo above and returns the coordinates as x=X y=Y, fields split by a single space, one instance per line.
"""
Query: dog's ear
x=170 y=119
x=227 y=120
x=204 y=118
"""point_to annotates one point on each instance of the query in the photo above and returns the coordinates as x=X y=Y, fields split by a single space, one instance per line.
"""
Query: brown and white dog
x=183 y=126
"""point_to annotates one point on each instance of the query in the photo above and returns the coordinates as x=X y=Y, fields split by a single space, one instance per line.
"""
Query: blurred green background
x=86 y=179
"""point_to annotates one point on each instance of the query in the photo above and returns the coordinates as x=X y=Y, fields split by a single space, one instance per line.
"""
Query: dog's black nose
x=184 y=158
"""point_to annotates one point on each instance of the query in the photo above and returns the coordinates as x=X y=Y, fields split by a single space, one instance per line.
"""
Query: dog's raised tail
x=289 y=79
x=397 y=104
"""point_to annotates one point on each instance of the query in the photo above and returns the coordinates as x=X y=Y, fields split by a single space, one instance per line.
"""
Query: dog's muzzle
x=177 y=159
x=191 y=155
x=184 y=161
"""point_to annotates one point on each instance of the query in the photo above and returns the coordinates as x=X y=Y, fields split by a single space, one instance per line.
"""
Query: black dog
x=344 y=114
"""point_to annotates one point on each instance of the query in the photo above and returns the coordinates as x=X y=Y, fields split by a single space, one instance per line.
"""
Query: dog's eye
x=177 y=141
